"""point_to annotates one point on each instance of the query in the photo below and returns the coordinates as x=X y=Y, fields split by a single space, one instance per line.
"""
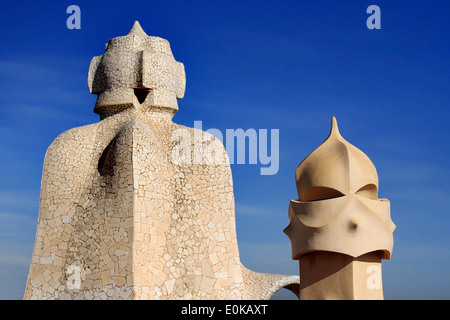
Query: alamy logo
x=74 y=20
x=374 y=280
x=374 y=21
x=74 y=276
x=201 y=147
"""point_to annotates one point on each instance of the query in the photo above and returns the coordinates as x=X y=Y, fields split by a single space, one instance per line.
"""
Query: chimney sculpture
x=339 y=229
x=128 y=209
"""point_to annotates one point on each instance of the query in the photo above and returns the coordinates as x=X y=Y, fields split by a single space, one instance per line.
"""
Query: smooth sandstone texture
x=133 y=207
x=336 y=276
x=337 y=220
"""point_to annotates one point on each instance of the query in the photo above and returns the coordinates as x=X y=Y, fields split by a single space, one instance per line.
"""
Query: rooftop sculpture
x=119 y=217
x=339 y=229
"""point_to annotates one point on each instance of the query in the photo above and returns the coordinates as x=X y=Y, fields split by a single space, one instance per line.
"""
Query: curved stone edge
x=262 y=286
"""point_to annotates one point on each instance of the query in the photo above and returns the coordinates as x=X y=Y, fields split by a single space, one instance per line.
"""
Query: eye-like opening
x=141 y=94
x=368 y=191
x=320 y=193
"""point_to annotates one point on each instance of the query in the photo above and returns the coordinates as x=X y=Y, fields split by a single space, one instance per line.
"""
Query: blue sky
x=287 y=65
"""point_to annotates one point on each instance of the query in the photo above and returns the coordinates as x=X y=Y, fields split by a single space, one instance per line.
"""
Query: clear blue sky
x=287 y=65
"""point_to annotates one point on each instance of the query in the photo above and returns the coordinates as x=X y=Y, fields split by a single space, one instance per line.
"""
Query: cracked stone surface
x=121 y=217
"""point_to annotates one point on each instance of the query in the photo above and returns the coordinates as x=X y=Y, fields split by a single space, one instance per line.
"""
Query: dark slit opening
x=141 y=94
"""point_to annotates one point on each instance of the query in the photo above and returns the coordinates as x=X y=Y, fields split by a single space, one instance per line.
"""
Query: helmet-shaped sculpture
x=136 y=70
x=120 y=216
x=338 y=208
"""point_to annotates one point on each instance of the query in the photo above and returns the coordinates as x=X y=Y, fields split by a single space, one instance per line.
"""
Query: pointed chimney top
x=137 y=30
x=334 y=128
